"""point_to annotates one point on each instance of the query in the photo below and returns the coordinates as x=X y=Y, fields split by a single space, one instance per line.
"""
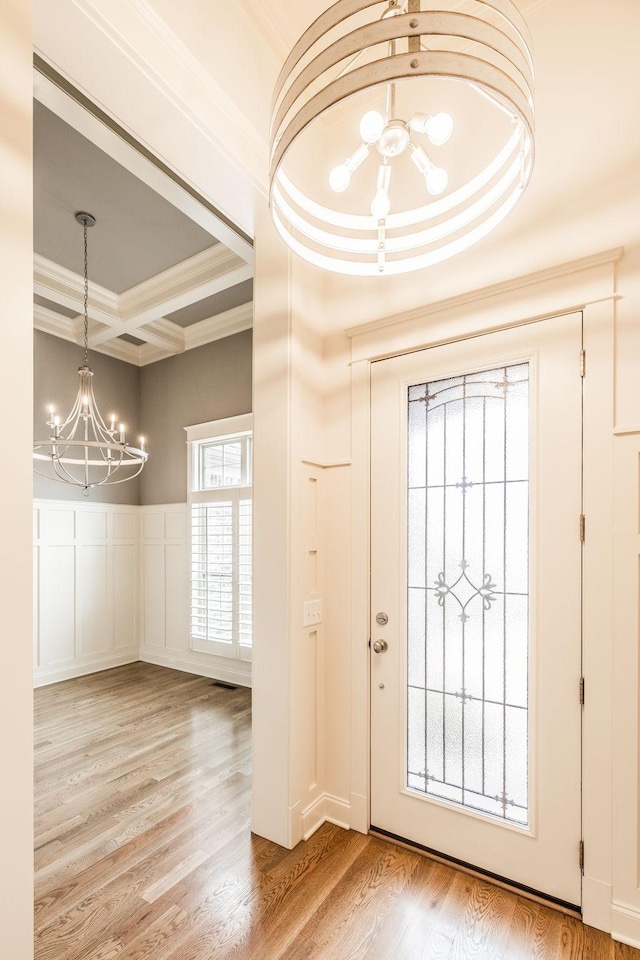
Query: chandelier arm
x=100 y=426
x=60 y=469
x=73 y=416
x=412 y=240
x=431 y=210
x=408 y=241
x=131 y=476
x=441 y=64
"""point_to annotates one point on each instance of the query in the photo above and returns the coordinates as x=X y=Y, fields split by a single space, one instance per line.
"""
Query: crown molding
x=48 y=321
x=150 y=353
x=267 y=28
x=136 y=29
x=121 y=350
x=222 y=325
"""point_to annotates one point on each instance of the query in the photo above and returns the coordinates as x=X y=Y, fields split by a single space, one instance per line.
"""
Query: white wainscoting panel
x=164 y=579
x=85 y=588
x=625 y=910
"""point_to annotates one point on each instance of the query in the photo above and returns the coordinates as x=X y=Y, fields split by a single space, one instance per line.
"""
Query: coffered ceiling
x=160 y=283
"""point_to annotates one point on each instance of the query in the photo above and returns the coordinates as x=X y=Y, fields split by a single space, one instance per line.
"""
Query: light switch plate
x=312 y=613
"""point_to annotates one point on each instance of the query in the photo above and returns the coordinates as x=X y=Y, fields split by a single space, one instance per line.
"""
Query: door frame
x=587 y=285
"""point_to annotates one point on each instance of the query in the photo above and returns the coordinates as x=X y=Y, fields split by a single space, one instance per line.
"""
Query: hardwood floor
x=143 y=850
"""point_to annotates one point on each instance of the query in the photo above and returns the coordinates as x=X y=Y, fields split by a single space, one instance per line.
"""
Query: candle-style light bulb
x=113 y=423
x=122 y=433
x=142 y=443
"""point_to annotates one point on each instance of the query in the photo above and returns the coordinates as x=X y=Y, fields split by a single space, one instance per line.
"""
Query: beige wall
x=15 y=510
x=208 y=383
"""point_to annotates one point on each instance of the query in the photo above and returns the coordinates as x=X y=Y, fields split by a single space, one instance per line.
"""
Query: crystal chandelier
x=397 y=62
x=82 y=450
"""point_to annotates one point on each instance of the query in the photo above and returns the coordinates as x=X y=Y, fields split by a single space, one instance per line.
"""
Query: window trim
x=196 y=435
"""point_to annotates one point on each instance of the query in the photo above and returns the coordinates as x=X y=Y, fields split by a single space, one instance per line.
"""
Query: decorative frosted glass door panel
x=476 y=566
x=467 y=590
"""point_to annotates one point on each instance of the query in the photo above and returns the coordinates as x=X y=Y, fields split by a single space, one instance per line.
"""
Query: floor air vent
x=225 y=686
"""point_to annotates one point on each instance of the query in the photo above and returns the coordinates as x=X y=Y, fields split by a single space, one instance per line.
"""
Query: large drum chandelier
x=82 y=450
x=423 y=182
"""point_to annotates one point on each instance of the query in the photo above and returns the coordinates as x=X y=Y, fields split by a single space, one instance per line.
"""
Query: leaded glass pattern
x=467 y=586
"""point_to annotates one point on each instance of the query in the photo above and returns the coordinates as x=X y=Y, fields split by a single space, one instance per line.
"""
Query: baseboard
x=625 y=923
x=84 y=669
x=326 y=809
x=231 y=671
x=596 y=903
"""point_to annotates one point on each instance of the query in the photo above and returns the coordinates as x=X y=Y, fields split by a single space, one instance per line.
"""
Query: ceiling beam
x=141 y=310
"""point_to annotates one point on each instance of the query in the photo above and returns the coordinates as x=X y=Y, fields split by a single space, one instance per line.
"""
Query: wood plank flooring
x=143 y=850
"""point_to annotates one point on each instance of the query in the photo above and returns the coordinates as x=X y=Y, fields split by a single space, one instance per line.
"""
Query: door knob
x=380 y=646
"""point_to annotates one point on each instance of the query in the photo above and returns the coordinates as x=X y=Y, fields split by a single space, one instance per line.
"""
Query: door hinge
x=583 y=363
x=581 y=689
x=582 y=528
x=581 y=855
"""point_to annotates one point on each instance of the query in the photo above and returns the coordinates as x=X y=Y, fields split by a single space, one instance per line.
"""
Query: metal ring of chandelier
x=487 y=48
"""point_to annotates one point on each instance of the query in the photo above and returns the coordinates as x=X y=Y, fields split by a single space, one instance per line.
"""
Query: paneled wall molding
x=85 y=588
x=164 y=633
x=111 y=587
x=626 y=641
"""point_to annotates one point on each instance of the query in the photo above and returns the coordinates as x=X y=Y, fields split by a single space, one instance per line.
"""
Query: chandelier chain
x=86 y=299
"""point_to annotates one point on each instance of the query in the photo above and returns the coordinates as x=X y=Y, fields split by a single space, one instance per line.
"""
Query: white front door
x=476 y=602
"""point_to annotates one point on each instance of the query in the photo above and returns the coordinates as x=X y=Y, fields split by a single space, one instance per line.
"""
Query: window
x=220 y=507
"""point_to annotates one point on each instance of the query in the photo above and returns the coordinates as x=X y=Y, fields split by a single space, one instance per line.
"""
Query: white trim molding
x=590 y=285
x=626 y=924
x=85 y=588
x=561 y=289
x=141 y=310
x=325 y=809
x=164 y=592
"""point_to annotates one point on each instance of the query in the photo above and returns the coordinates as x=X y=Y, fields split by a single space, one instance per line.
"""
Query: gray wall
x=208 y=383
x=117 y=390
